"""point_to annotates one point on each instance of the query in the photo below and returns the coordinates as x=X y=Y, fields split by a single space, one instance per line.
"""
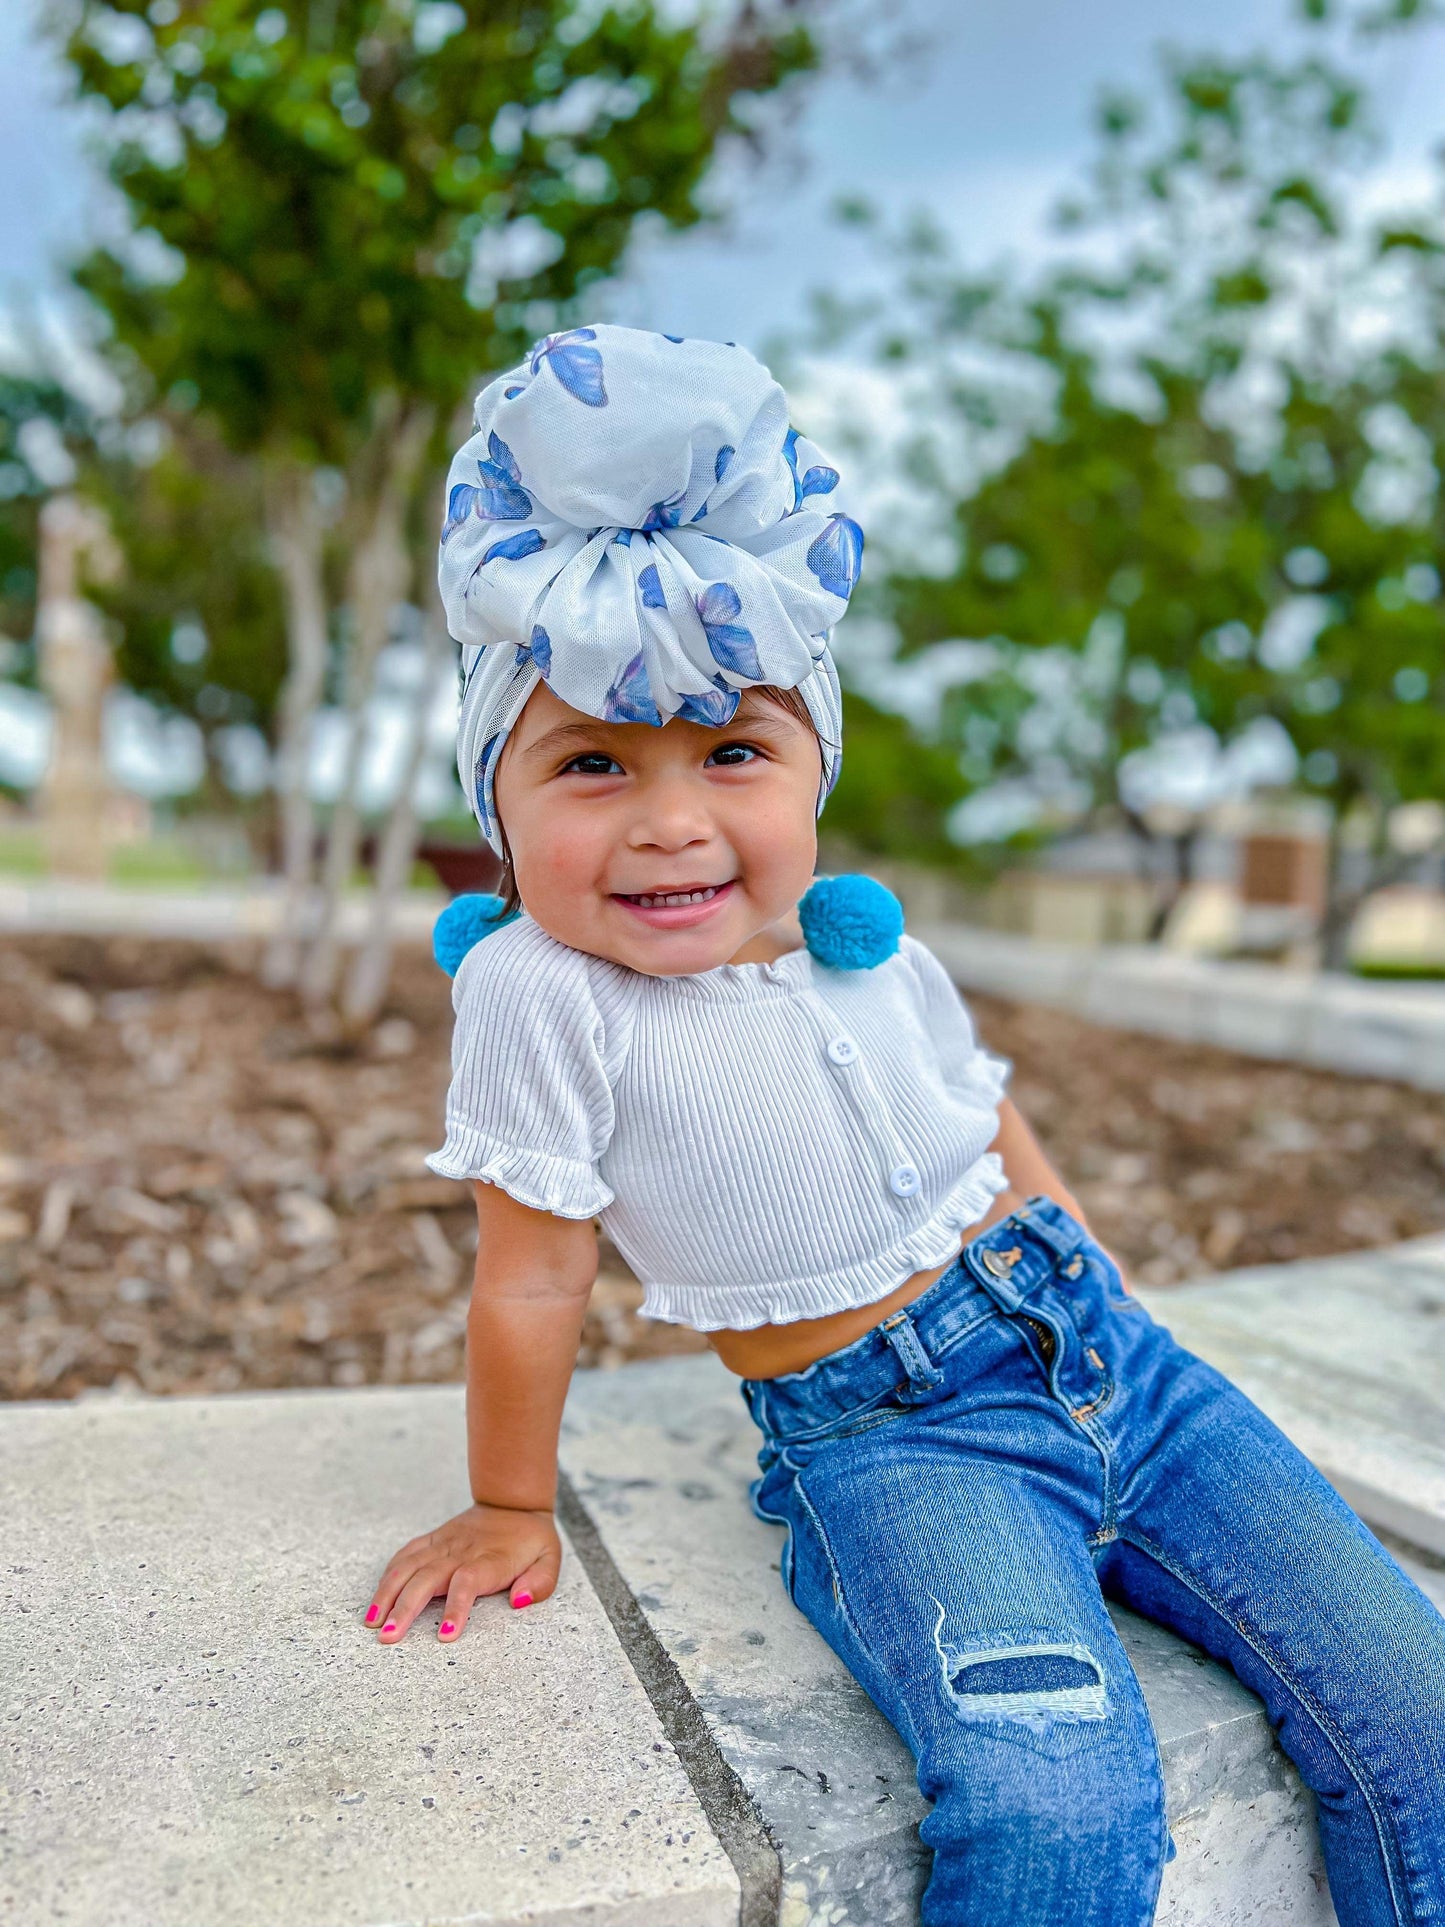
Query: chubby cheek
x=777 y=849
x=561 y=862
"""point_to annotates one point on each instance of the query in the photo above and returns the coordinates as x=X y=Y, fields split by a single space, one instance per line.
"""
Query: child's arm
x=1028 y=1169
x=533 y=1275
x=1024 y=1161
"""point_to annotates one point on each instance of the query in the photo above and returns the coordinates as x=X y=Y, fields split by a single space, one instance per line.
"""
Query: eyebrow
x=760 y=718
x=566 y=736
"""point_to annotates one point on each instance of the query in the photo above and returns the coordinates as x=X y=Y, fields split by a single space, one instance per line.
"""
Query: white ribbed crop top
x=762 y=1142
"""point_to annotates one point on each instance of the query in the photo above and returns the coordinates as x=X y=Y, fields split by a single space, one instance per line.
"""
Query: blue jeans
x=961 y=1488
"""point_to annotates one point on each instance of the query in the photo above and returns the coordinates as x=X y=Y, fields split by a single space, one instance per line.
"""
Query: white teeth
x=676 y=899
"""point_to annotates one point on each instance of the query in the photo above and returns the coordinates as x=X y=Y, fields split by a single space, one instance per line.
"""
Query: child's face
x=609 y=823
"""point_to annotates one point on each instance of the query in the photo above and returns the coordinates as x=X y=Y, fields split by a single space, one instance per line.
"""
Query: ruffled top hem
x=844 y=1289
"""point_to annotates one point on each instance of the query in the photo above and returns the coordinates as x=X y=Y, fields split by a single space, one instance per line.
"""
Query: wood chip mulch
x=198 y=1194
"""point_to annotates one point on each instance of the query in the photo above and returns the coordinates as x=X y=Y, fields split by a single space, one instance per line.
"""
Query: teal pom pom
x=464 y=922
x=851 y=922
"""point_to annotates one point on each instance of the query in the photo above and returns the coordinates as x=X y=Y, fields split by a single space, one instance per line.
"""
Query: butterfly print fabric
x=636 y=522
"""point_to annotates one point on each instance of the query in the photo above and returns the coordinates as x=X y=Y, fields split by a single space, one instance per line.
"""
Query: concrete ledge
x=1330 y=1022
x=659 y=1456
x=199 y=1732
x=1347 y=1356
x=214 y=913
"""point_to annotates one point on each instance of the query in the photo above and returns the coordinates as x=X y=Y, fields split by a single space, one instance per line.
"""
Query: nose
x=672 y=815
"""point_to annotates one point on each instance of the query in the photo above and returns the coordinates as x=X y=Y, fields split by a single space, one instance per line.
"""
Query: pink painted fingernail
x=370 y=1614
x=447 y=1626
x=390 y=1626
x=521 y=1599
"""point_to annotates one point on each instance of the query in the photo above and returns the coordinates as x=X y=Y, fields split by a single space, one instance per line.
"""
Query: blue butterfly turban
x=635 y=523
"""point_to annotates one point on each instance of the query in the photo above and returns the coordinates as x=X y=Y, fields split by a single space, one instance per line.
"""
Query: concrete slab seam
x=723 y=1797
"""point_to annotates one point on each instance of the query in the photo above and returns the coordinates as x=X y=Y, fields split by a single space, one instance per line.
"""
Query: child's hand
x=486 y=1549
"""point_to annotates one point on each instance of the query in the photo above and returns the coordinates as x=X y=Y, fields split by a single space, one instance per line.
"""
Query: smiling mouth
x=678 y=909
x=673 y=899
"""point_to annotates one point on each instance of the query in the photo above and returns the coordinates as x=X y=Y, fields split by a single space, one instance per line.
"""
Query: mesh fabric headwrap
x=635 y=522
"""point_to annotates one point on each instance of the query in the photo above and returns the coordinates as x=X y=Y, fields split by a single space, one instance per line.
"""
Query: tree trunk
x=370 y=972
x=1340 y=909
x=1146 y=843
x=294 y=526
x=1183 y=845
x=378 y=578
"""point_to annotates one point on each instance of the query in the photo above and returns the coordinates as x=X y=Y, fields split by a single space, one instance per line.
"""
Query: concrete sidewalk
x=200 y=1732
x=1347 y=1356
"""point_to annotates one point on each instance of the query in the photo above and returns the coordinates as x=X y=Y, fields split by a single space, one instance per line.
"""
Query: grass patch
x=1387 y=971
x=21 y=853
x=155 y=862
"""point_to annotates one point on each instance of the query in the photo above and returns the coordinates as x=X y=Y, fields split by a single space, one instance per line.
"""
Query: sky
x=984 y=128
x=983 y=125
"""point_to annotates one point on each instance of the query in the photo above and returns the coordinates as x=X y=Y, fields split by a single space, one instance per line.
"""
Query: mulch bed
x=199 y=1194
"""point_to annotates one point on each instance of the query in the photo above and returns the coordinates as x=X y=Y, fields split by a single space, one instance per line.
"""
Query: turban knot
x=636 y=523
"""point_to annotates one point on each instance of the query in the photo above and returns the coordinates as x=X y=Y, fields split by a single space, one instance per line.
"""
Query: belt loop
x=1064 y=1240
x=902 y=1334
x=755 y=1397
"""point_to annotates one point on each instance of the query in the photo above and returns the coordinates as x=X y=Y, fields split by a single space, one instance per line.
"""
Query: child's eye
x=592 y=762
x=732 y=755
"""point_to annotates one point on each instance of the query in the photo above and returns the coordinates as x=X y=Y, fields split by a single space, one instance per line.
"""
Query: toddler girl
x=971 y=1432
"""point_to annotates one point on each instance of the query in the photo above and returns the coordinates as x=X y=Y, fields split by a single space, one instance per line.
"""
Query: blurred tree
x=1122 y=544
x=348 y=210
x=41 y=426
x=1356 y=645
x=896 y=790
x=197 y=611
x=1178 y=488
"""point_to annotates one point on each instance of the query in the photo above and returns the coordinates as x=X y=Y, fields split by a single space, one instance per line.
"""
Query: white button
x=842 y=1050
x=903 y=1180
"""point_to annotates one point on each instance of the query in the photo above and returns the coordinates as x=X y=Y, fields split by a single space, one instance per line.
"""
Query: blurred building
x=1259 y=886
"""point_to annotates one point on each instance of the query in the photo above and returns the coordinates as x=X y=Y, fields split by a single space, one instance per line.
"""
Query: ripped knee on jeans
x=1031 y=1678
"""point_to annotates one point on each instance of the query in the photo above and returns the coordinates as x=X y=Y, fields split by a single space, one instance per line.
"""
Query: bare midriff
x=769 y=1350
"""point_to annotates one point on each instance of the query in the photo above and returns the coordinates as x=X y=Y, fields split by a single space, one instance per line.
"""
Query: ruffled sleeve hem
x=989 y=1076
x=566 y=1187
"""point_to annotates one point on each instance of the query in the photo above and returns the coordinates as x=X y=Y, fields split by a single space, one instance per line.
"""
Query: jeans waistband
x=999 y=1270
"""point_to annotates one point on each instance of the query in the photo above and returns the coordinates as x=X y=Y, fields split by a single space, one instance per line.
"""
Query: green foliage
x=323 y=173
x=197 y=610
x=1119 y=537
x=343 y=213
x=1179 y=483
x=28 y=403
x=1365 y=704
x=896 y=790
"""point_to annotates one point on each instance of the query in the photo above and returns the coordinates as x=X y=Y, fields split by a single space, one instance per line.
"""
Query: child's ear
x=464 y=922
